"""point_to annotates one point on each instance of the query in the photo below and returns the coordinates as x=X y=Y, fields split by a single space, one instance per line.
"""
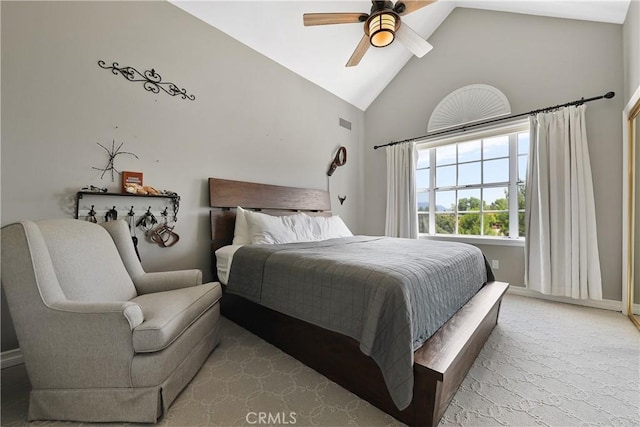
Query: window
x=474 y=184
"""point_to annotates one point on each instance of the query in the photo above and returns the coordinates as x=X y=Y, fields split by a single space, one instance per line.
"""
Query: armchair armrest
x=83 y=344
x=114 y=309
x=167 y=281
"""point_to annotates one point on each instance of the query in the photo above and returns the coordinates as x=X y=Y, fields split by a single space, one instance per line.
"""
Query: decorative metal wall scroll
x=152 y=80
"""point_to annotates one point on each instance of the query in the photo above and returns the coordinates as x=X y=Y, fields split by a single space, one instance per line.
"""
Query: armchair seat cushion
x=168 y=314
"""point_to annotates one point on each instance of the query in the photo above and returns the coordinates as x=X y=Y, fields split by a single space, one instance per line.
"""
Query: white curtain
x=402 y=209
x=561 y=250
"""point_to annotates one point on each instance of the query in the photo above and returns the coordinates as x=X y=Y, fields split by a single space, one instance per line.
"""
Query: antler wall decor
x=152 y=81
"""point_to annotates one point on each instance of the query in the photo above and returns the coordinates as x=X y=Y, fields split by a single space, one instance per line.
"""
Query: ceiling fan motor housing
x=379 y=6
x=400 y=8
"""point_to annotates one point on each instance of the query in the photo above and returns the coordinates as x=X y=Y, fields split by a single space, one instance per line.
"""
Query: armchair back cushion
x=119 y=231
x=86 y=261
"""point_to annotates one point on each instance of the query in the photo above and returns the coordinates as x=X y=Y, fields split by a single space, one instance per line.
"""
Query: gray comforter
x=389 y=294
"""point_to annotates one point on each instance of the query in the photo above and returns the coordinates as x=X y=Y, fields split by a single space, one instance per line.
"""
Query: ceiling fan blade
x=310 y=19
x=361 y=49
x=412 y=41
x=404 y=7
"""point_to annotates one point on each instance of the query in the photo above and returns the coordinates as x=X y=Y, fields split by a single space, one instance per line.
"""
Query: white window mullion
x=513 y=186
x=482 y=187
x=432 y=191
x=482 y=211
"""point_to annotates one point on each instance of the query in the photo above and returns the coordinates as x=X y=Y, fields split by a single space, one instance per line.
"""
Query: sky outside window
x=495 y=171
x=423 y=159
x=469 y=151
x=495 y=147
x=422 y=178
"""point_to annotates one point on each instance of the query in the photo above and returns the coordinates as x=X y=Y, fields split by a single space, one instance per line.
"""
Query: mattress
x=224 y=258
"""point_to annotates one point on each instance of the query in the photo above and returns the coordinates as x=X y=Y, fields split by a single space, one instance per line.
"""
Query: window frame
x=512 y=129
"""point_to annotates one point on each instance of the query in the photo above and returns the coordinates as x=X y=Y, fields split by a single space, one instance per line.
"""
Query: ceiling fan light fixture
x=382 y=29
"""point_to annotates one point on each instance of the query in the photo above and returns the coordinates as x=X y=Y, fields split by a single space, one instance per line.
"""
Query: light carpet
x=545 y=364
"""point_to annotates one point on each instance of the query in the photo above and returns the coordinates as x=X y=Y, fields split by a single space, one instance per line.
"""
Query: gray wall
x=536 y=62
x=631 y=43
x=252 y=119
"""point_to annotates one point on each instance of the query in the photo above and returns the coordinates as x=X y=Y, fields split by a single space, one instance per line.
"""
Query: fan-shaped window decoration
x=469 y=104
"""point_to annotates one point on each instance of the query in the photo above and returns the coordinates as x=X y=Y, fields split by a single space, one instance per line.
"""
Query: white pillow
x=302 y=226
x=241 y=234
x=330 y=227
x=258 y=228
x=268 y=229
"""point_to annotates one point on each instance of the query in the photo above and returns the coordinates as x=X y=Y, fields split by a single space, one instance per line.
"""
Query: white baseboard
x=11 y=358
x=605 y=304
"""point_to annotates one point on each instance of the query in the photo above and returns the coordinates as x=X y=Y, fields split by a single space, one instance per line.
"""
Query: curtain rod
x=580 y=101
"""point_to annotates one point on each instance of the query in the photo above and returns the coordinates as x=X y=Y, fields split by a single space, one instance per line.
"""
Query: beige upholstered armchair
x=102 y=340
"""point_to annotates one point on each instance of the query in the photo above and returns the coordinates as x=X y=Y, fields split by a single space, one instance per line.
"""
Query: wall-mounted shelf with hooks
x=173 y=198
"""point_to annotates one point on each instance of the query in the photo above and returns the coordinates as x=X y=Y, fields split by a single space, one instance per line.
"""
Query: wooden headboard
x=225 y=195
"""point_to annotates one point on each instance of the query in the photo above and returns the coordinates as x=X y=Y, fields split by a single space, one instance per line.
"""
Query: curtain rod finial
x=610 y=95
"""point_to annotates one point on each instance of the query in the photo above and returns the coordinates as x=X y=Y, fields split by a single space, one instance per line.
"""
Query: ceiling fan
x=381 y=26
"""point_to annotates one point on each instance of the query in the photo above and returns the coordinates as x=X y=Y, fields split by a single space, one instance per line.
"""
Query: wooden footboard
x=444 y=360
x=440 y=364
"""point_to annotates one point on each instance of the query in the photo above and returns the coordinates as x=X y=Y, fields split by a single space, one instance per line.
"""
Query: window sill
x=475 y=240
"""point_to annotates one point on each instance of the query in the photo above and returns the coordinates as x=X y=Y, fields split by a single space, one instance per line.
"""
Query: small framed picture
x=131 y=178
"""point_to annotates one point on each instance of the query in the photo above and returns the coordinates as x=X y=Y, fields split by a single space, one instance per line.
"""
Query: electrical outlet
x=495 y=264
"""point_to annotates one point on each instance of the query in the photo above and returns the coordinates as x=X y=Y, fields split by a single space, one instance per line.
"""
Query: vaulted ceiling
x=319 y=53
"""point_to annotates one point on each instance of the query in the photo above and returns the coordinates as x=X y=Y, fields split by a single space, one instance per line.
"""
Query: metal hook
x=111 y=214
x=147 y=220
x=91 y=216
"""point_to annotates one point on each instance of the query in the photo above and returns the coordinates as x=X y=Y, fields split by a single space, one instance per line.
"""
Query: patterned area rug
x=545 y=364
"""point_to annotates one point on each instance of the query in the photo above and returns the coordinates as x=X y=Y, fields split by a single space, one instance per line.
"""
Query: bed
x=439 y=364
